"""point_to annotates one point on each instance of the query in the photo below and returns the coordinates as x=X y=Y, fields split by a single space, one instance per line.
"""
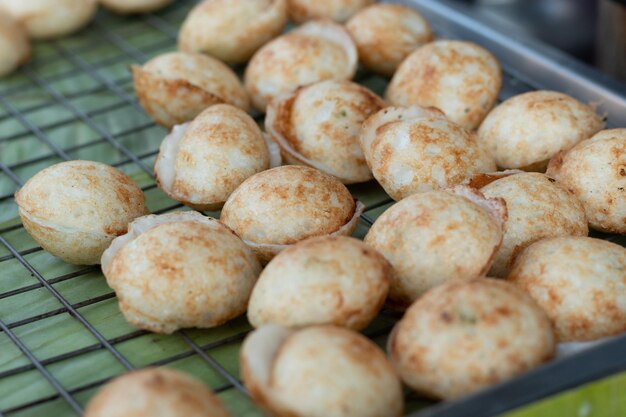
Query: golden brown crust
x=424 y=77
x=197 y=266
x=175 y=87
x=439 y=345
x=155 y=94
x=14 y=44
x=538 y=208
x=385 y=34
x=48 y=19
x=201 y=163
x=351 y=374
x=301 y=11
x=287 y=204
x=153 y=391
x=481 y=180
x=318 y=126
x=434 y=237
x=579 y=282
x=595 y=171
x=322 y=280
x=526 y=130
x=74 y=209
x=316 y=51
x=232 y=30
x=412 y=150
x=125 y=7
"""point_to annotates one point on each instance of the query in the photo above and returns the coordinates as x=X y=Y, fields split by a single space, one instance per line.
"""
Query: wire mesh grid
x=86 y=89
x=62 y=334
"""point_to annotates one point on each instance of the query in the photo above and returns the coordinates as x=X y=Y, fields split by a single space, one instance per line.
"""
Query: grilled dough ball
x=337 y=10
x=525 y=131
x=232 y=30
x=579 y=282
x=180 y=270
x=467 y=335
x=460 y=78
x=175 y=87
x=538 y=208
x=319 y=371
x=155 y=392
x=385 y=34
x=322 y=280
x=281 y=206
x=45 y=19
x=75 y=209
x=201 y=163
x=411 y=150
x=437 y=236
x=318 y=125
x=14 y=45
x=134 y=6
x=595 y=170
x=315 y=51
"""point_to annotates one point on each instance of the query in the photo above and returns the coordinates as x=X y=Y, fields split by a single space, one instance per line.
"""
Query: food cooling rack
x=62 y=335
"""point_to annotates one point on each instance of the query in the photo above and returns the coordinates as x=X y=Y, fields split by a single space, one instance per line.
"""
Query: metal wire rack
x=84 y=83
x=103 y=72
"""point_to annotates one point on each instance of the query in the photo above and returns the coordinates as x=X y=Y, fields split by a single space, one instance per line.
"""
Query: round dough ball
x=175 y=87
x=281 y=206
x=315 y=51
x=385 y=34
x=595 y=170
x=412 y=150
x=338 y=10
x=232 y=30
x=318 y=125
x=579 y=282
x=322 y=280
x=460 y=78
x=319 y=371
x=46 y=19
x=464 y=336
x=437 y=236
x=14 y=45
x=155 y=392
x=75 y=209
x=538 y=208
x=135 y=6
x=180 y=270
x=202 y=162
x=526 y=130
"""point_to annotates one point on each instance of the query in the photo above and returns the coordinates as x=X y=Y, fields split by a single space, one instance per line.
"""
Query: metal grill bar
x=36 y=131
x=23 y=253
x=173 y=358
x=11 y=175
x=72 y=354
x=213 y=363
x=84 y=93
x=71 y=73
x=49 y=377
x=66 y=121
x=67 y=305
x=135 y=129
x=58 y=311
x=52 y=281
x=90 y=122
